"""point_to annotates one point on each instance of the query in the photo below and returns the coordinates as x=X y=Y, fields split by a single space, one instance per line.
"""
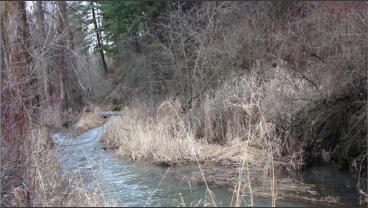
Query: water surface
x=144 y=184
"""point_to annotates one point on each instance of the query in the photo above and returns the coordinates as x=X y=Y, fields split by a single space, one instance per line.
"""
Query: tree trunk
x=14 y=118
x=99 y=44
x=136 y=43
x=74 y=89
x=44 y=66
x=24 y=30
x=99 y=25
x=16 y=57
x=62 y=70
x=32 y=86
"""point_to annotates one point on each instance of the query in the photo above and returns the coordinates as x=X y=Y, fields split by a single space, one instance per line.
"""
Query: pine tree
x=122 y=19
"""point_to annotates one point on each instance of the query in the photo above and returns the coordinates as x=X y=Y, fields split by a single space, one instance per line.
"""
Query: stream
x=144 y=184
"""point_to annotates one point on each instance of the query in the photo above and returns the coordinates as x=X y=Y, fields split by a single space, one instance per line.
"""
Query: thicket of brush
x=234 y=69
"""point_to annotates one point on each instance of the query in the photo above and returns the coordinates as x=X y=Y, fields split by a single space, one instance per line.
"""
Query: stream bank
x=140 y=184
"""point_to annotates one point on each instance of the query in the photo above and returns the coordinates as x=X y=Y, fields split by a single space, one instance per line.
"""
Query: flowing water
x=143 y=184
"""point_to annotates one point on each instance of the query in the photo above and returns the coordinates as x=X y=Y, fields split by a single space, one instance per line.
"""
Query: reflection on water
x=136 y=184
x=330 y=182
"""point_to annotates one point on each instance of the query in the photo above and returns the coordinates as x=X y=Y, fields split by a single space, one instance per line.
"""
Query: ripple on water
x=132 y=184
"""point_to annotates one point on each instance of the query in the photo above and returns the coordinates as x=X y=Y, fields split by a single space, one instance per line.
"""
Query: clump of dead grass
x=86 y=122
x=55 y=119
x=143 y=138
x=164 y=137
x=42 y=184
x=51 y=118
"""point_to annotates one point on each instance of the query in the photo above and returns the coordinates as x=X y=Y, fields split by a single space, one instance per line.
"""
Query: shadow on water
x=136 y=184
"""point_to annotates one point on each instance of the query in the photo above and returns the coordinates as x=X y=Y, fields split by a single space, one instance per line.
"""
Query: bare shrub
x=232 y=111
x=289 y=67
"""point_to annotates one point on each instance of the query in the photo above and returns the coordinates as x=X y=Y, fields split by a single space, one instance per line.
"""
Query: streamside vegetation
x=231 y=70
x=41 y=92
x=267 y=85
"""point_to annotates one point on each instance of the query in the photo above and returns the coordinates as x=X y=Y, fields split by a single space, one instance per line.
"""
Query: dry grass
x=89 y=119
x=41 y=182
x=161 y=140
x=144 y=139
x=86 y=122
x=51 y=118
x=299 y=66
x=163 y=137
x=54 y=119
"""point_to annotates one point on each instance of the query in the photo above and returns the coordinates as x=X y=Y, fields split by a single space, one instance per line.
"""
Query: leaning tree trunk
x=99 y=43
